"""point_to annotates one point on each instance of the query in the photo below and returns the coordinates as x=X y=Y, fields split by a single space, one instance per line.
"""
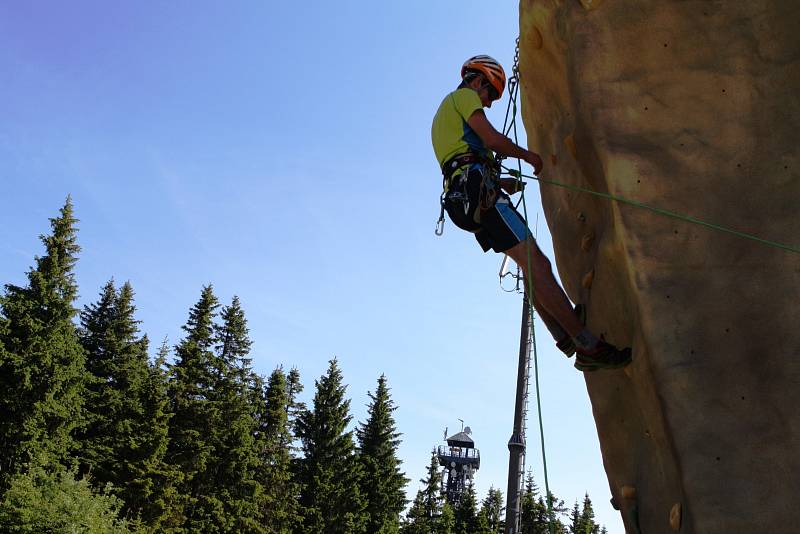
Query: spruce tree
x=124 y=442
x=97 y=338
x=42 y=374
x=558 y=509
x=294 y=407
x=235 y=462
x=383 y=482
x=280 y=510
x=466 y=512
x=416 y=520
x=492 y=508
x=576 y=521
x=587 y=517
x=429 y=511
x=330 y=498
x=160 y=487
x=527 y=506
x=196 y=418
x=233 y=345
x=483 y=523
x=533 y=510
x=447 y=520
x=432 y=499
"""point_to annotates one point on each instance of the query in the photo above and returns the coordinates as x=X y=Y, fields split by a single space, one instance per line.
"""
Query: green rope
x=518 y=174
x=513 y=83
x=550 y=514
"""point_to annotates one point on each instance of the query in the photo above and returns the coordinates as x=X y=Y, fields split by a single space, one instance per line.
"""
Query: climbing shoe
x=567 y=346
x=604 y=356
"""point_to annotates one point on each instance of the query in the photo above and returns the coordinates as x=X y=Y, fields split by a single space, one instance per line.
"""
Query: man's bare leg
x=549 y=321
x=546 y=290
x=591 y=353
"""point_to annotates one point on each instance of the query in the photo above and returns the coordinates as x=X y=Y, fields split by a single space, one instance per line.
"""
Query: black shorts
x=485 y=211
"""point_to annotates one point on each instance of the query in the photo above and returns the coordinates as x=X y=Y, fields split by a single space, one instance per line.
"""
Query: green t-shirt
x=450 y=133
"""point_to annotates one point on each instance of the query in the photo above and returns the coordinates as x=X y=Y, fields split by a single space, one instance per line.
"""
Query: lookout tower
x=459 y=459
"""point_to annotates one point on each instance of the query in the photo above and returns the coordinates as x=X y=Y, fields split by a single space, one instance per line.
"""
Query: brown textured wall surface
x=692 y=106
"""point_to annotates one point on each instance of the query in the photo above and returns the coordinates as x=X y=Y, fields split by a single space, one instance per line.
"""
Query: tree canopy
x=98 y=435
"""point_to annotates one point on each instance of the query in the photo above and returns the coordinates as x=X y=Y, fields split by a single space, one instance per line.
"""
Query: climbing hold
x=553 y=159
x=614 y=503
x=581 y=216
x=628 y=492
x=587 y=241
x=675 y=516
x=588 y=278
x=569 y=142
x=628 y=370
x=536 y=39
x=631 y=512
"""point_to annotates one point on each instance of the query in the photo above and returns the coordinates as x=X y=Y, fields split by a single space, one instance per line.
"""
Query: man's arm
x=499 y=143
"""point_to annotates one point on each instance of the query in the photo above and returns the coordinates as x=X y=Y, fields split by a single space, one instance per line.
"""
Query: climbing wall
x=692 y=106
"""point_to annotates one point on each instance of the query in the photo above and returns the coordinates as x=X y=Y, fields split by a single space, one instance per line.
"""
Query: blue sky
x=281 y=152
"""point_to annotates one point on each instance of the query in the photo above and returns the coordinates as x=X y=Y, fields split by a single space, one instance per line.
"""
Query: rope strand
x=661 y=211
x=511 y=110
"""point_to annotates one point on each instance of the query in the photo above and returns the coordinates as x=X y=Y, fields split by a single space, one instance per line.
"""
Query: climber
x=463 y=141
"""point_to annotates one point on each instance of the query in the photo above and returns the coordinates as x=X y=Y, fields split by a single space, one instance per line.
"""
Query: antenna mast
x=516 y=444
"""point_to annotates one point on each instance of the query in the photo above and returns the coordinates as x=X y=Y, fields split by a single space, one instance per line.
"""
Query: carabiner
x=440 y=223
x=439 y=227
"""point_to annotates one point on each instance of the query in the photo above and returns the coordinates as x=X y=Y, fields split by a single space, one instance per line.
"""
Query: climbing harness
x=455 y=176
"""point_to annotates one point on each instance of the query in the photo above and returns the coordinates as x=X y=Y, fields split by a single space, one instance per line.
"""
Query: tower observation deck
x=459 y=460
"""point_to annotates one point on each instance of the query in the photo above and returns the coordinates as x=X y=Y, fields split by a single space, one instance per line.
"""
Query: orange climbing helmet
x=491 y=70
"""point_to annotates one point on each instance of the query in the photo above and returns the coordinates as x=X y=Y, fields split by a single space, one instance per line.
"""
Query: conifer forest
x=103 y=430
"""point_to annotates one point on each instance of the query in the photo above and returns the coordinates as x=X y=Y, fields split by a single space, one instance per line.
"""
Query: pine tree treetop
x=56 y=266
x=42 y=364
x=200 y=326
x=232 y=338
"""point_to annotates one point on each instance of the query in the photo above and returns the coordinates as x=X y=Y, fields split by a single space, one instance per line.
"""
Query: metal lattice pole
x=516 y=444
